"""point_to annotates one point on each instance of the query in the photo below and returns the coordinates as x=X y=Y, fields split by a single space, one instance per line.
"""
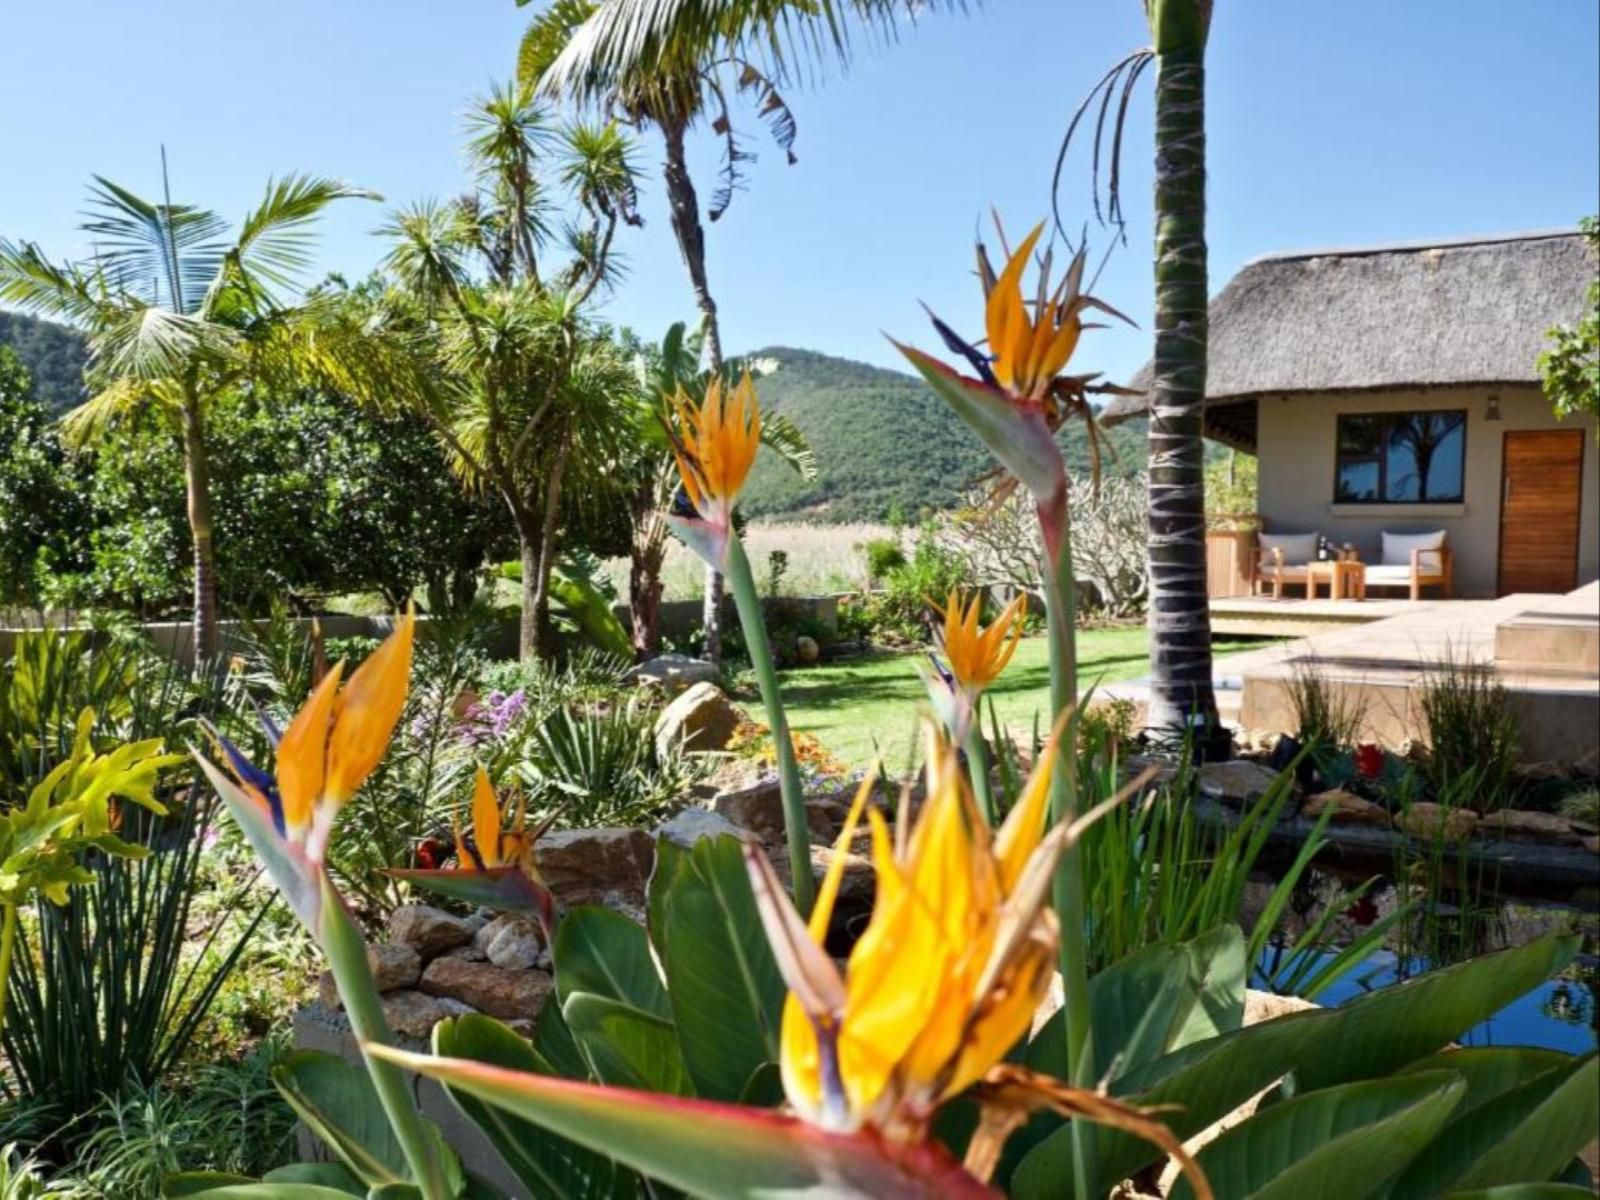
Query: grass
x=852 y=705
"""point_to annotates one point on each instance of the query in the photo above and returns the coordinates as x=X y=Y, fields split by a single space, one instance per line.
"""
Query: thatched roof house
x=1394 y=389
x=1462 y=312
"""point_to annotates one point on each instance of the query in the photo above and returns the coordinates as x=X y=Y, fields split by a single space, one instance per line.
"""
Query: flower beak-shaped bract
x=1021 y=396
x=494 y=862
x=333 y=743
x=715 y=444
x=975 y=656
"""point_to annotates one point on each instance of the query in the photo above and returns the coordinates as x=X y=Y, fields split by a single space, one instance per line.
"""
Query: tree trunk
x=1181 y=692
x=685 y=208
x=528 y=633
x=197 y=472
x=536 y=632
x=646 y=553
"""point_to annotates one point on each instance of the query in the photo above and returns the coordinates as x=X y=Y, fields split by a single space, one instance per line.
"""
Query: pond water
x=1449 y=923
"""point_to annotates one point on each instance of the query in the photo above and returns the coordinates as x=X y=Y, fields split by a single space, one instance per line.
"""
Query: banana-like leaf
x=627 y=1046
x=1368 y=1038
x=706 y=1148
x=605 y=954
x=589 y=610
x=1491 y=1071
x=1016 y=435
x=724 y=986
x=198 y=1183
x=261 y=1190
x=1525 y=1135
x=1337 y=1144
x=551 y=1167
x=340 y=1106
x=334 y=1175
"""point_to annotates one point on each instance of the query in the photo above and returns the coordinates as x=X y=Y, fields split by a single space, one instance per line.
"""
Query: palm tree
x=565 y=53
x=178 y=313
x=486 y=338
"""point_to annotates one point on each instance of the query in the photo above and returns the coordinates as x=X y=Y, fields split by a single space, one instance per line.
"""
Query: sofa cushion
x=1397 y=548
x=1382 y=576
x=1298 y=548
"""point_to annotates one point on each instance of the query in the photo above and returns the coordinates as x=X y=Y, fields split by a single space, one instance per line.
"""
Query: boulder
x=858 y=883
x=429 y=931
x=1238 y=783
x=1516 y=826
x=500 y=992
x=806 y=650
x=394 y=965
x=757 y=806
x=692 y=824
x=1348 y=809
x=1429 y=820
x=702 y=718
x=469 y=952
x=413 y=1014
x=596 y=866
x=512 y=941
x=672 y=672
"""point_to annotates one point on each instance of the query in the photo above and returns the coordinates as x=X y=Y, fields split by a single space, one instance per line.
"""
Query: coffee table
x=1345 y=580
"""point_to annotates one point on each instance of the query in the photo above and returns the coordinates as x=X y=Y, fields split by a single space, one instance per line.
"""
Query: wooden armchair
x=1282 y=559
x=1414 y=561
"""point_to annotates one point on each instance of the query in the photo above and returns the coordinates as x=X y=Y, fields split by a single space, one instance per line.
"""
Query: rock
x=596 y=866
x=806 y=650
x=1137 y=764
x=1516 y=826
x=467 y=953
x=858 y=883
x=1265 y=1006
x=413 y=1014
x=672 y=672
x=511 y=940
x=692 y=824
x=394 y=965
x=495 y=990
x=1348 y=809
x=757 y=807
x=702 y=718
x=1238 y=783
x=429 y=931
x=1429 y=820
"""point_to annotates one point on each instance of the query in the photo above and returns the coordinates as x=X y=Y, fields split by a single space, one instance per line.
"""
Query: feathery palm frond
x=167 y=254
x=783 y=437
x=274 y=243
x=148 y=342
x=29 y=279
x=547 y=36
x=116 y=401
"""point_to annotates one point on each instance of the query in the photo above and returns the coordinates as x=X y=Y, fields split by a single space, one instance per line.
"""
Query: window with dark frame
x=1401 y=458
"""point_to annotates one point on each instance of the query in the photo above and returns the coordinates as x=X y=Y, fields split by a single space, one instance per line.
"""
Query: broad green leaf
x=1219 y=965
x=1370 y=1037
x=551 y=1167
x=706 y=1148
x=726 y=993
x=1491 y=1071
x=1525 y=1135
x=1337 y=1144
x=502 y=889
x=1133 y=1004
x=604 y=954
x=554 y=1047
x=198 y=1183
x=1528 y=1191
x=340 y=1106
x=626 y=1046
x=276 y=1191
x=334 y=1175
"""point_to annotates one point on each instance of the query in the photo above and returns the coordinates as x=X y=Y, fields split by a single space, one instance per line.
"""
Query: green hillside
x=882 y=440
x=53 y=354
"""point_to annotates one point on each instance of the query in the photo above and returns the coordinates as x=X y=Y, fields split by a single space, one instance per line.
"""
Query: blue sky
x=1330 y=124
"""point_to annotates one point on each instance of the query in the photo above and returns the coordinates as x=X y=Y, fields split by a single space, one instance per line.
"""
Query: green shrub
x=1472 y=729
x=899 y=613
x=884 y=556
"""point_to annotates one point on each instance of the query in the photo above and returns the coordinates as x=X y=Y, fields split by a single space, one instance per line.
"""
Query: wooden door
x=1540 y=491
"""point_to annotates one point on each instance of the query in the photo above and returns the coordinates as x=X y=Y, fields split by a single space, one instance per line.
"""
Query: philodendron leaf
x=340 y=1106
x=549 y=1166
x=1337 y=1144
x=1370 y=1037
x=725 y=989
x=1524 y=1135
x=705 y=1148
x=604 y=954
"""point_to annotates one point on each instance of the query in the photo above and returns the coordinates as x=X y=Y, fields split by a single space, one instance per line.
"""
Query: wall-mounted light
x=1491 y=410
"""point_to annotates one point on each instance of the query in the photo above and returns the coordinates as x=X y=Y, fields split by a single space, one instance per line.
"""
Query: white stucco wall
x=1296 y=442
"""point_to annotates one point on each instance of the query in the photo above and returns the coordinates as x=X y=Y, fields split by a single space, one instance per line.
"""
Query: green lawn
x=852 y=705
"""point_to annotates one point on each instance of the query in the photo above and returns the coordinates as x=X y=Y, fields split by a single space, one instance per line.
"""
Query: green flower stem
x=978 y=768
x=8 y=939
x=748 y=602
x=347 y=956
x=1068 y=886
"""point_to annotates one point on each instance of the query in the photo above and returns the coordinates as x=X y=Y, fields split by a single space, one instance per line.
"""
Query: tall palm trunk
x=197 y=477
x=646 y=554
x=1180 y=620
x=685 y=208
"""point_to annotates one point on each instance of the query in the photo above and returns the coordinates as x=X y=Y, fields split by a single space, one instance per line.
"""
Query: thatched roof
x=1425 y=314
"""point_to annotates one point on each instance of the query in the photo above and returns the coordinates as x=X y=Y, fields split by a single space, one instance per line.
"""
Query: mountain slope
x=54 y=355
x=883 y=441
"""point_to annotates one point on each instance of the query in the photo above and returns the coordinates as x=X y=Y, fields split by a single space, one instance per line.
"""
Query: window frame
x=1387 y=417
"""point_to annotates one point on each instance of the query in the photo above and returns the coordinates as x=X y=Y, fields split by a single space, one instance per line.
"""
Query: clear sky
x=1330 y=124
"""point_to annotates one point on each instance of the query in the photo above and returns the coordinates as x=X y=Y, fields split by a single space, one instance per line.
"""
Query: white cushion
x=1389 y=576
x=1397 y=548
x=1298 y=548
